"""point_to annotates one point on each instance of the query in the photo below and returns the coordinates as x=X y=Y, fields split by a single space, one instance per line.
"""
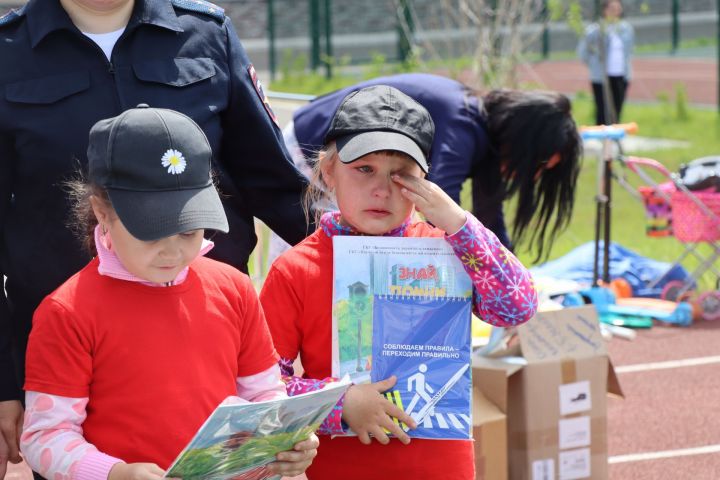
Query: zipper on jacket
x=109 y=65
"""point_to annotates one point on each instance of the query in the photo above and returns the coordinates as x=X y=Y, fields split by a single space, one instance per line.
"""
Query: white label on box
x=574 y=464
x=575 y=397
x=543 y=469
x=574 y=432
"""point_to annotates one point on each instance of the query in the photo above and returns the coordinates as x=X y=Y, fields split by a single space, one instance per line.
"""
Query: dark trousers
x=618 y=87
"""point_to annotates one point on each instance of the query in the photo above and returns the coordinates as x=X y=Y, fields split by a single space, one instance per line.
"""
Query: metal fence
x=314 y=30
x=274 y=31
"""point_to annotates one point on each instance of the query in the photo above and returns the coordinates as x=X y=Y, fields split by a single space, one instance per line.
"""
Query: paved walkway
x=667 y=427
x=651 y=76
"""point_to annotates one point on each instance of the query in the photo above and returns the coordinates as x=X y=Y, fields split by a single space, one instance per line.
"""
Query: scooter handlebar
x=611 y=132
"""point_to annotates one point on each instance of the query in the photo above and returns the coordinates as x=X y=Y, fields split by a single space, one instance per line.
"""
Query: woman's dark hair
x=82 y=219
x=525 y=129
x=606 y=3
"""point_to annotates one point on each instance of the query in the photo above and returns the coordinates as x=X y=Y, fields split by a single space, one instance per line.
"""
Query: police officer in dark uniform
x=56 y=82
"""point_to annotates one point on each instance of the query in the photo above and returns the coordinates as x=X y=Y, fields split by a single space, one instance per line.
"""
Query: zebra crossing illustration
x=428 y=416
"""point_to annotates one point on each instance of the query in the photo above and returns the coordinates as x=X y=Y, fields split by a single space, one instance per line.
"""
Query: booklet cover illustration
x=402 y=306
x=238 y=441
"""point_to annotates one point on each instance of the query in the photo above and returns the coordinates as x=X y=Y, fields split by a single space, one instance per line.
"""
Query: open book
x=238 y=441
x=402 y=306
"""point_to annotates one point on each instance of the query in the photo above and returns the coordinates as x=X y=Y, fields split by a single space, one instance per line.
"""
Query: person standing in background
x=607 y=49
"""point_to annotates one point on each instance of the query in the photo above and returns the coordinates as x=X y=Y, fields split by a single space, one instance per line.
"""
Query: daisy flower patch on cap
x=174 y=161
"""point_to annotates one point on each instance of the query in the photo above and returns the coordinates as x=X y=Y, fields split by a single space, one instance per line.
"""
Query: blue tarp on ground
x=637 y=270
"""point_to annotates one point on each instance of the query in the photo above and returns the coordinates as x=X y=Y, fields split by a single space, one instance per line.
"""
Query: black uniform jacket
x=55 y=83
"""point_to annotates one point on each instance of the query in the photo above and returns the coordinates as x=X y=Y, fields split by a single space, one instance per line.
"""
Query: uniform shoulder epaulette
x=201 y=6
x=12 y=16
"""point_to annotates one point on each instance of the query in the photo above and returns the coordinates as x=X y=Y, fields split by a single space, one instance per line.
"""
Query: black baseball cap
x=381 y=118
x=156 y=167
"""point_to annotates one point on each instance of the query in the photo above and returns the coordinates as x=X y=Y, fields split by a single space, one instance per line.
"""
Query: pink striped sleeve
x=266 y=385
x=504 y=294
x=93 y=466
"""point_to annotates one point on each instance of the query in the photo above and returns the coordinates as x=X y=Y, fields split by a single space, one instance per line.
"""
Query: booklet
x=238 y=441
x=402 y=306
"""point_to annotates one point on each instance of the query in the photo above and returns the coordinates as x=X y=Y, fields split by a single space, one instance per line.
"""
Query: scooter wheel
x=671 y=291
x=710 y=305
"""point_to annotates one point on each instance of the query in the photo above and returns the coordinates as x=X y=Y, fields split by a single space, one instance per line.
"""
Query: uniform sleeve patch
x=257 y=84
x=12 y=16
x=201 y=6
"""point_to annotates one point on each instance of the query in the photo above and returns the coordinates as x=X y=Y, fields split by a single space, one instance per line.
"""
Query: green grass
x=664 y=47
x=294 y=75
x=312 y=83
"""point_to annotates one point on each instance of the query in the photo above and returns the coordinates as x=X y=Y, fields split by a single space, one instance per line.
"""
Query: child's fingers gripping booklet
x=238 y=440
x=402 y=306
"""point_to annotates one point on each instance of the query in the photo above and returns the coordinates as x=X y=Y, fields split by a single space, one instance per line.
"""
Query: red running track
x=667 y=410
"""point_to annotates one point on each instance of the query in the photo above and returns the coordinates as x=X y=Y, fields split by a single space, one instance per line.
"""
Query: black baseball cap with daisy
x=156 y=167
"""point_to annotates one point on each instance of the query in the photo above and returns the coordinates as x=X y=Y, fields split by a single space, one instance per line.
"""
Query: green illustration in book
x=238 y=441
x=354 y=318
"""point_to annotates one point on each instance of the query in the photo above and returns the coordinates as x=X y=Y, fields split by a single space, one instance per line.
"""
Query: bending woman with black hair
x=511 y=143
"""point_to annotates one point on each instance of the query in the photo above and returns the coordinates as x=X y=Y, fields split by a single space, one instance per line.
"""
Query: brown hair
x=606 y=3
x=318 y=196
x=82 y=220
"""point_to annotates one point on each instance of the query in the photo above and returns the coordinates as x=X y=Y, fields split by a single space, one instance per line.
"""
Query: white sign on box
x=575 y=397
x=574 y=464
x=574 y=432
x=543 y=469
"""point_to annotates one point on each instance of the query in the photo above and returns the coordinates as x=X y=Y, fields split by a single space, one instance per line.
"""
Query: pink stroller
x=691 y=216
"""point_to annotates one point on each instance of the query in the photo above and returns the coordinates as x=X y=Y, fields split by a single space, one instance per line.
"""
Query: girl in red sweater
x=373 y=168
x=128 y=357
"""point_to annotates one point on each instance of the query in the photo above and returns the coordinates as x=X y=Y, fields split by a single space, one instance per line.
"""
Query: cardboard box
x=554 y=385
x=490 y=434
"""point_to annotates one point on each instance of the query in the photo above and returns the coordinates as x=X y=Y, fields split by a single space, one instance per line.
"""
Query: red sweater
x=297 y=300
x=154 y=361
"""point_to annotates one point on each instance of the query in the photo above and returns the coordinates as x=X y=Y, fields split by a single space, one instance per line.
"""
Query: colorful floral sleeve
x=504 y=294
x=296 y=385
